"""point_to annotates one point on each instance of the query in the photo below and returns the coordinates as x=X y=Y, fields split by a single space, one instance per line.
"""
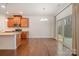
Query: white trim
x=42 y=37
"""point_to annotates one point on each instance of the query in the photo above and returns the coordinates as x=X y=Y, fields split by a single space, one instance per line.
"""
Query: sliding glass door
x=64 y=31
x=68 y=32
x=60 y=30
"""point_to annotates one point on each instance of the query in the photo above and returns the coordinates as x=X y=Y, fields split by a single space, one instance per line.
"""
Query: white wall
x=2 y=22
x=38 y=29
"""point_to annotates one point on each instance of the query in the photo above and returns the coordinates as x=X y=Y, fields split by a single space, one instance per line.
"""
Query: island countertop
x=9 y=33
x=8 y=40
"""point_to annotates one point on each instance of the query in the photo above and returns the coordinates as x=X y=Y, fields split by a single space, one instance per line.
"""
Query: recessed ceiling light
x=2 y=6
x=7 y=12
x=44 y=8
x=21 y=12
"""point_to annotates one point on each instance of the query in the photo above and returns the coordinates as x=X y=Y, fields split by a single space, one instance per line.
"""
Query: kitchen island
x=8 y=40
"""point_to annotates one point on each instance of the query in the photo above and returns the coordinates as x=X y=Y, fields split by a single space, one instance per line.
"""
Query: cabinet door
x=18 y=40
x=10 y=22
x=23 y=35
x=17 y=20
x=24 y=22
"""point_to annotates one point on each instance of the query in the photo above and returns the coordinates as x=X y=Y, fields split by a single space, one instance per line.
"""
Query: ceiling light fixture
x=7 y=12
x=3 y=6
x=21 y=13
x=44 y=18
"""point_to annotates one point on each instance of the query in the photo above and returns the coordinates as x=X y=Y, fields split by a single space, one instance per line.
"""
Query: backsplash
x=12 y=29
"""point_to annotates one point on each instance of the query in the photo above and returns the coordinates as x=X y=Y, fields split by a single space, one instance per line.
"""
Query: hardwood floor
x=34 y=47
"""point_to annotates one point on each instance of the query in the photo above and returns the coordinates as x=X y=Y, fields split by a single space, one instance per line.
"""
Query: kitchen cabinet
x=10 y=22
x=17 y=19
x=10 y=40
x=18 y=40
x=24 y=35
x=21 y=36
x=24 y=22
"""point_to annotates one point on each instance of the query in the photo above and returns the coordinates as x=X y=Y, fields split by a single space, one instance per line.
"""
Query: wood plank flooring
x=34 y=47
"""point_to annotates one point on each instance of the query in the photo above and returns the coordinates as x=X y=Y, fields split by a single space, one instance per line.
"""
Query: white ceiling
x=29 y=9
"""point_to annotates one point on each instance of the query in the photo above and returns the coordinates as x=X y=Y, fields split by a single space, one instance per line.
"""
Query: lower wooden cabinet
x=19 y=37
x=24 y=35
x=18 y=40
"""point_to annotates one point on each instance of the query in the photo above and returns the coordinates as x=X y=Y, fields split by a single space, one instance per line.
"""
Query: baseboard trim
x=42 y=38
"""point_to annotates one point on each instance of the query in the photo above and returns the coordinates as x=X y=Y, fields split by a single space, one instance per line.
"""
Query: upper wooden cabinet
x=17 y=20
x=24 y=22
x=10 y=22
